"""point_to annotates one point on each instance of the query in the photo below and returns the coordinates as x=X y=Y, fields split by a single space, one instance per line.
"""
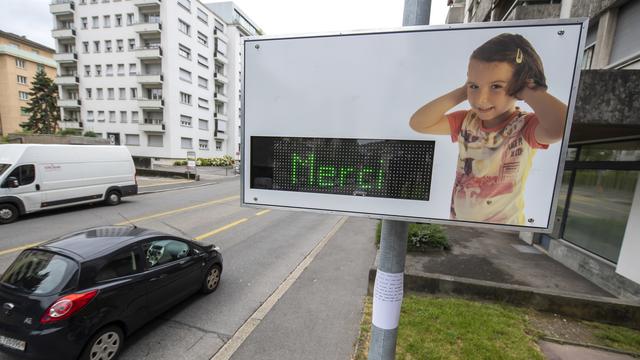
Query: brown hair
x=518 y=52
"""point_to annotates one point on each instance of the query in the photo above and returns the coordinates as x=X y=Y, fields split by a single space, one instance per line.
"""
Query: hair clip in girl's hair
x=519 y=56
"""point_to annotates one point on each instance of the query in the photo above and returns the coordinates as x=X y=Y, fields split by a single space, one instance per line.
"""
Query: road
x=261 y=248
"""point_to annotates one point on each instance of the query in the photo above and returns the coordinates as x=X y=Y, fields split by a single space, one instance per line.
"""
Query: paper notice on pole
x=387 y=300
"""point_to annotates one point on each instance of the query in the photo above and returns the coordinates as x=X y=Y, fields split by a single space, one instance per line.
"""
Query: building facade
x=597 y=223
x=20 y=59
x=148 y=74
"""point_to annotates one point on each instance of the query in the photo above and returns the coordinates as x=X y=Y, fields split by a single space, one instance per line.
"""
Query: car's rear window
x=39 y=272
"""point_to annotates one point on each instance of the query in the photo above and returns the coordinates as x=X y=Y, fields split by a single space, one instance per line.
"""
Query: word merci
x=334 y=175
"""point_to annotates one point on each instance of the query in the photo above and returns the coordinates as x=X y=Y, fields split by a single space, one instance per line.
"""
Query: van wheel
x=8 y=213
x=112 y=198
x=104 y=345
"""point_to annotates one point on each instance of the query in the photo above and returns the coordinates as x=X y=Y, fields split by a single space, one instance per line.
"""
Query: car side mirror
x=12 y=182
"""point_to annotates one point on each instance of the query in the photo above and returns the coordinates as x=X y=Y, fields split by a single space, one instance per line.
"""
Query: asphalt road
x=260 y=249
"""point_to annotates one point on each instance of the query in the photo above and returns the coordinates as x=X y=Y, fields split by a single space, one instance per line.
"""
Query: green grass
x=421 y=237
x=446 y=328
x=616 y=337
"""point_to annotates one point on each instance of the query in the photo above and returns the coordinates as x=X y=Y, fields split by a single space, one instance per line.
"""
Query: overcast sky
x=32 y=18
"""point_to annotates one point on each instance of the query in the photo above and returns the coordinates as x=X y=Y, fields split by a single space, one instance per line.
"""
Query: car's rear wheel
x=8 y=213
x=211 y=279
x=112 y=198
x=104 y=345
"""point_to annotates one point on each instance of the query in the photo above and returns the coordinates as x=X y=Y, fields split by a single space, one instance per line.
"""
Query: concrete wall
x=544 y=11
x=55 y=139
x=608 y=97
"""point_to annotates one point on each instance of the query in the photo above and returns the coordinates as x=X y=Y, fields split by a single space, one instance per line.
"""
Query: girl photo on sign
x=496 y=140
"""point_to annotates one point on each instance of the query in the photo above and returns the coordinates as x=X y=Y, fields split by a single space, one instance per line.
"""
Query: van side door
x=28 y=189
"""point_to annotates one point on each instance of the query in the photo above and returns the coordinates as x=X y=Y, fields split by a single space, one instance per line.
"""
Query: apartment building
x=20 y=59
x=148 y=74
x=597 y=224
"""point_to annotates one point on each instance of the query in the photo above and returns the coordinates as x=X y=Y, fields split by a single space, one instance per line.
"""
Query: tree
x=42 y=106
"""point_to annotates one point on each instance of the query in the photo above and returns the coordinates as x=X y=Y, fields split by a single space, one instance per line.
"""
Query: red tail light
x=67 y=306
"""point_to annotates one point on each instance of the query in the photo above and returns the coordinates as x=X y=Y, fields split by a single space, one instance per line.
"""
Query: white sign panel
x=466 y=123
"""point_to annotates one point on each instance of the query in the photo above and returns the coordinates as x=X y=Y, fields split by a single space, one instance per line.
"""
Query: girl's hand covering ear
x=530 y=86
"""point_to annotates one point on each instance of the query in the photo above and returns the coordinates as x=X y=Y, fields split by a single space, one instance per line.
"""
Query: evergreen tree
x=42 y=105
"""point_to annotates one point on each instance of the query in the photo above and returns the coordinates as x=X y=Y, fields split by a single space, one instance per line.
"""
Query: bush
x=223 y=161
x=65 y=132
x=90 y=134
x=421 y=237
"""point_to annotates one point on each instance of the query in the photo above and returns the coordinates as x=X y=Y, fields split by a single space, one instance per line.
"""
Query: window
x=218 y=26
x=185 y=4
x=118 y=18
x=22 y=80
x=107 y=21
x=185 y=98
x=132 y=139
x=90 y=116
x=130 y=18
x=87 y=70
x=85 y=47
x=186 y=143
x=100 y=116
x=184 y=27
x=134 y=93
x=20 y=63
x=203 y=83
x=123 y=119
x=23 y=95
x=203 y=124
x=134 y=117
x=83 y=22
x=161 y=252
x=154 y=140
x=132 y=44
x=203 y=144
x=219 y=145
x=98 y=70
x=95 y=22
x=221 y=47
x=120 y=265
x=39 y=272
x=185 y=120
x=99 y=94
x=203 y=39
x=107 y=46
x=202 y=16
x=185 y=75
x=132 y=69
x=122 y=93
x=203 y=103
x=587 y=58
x=120 y=69
x=96 y=46
x=110 y=93
x=202 y=60
x=112 y=116
x=109 y=71
x=88 y=93
x=184 y=51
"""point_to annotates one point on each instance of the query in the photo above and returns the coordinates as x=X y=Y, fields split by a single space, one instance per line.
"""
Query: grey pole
x=388 y=293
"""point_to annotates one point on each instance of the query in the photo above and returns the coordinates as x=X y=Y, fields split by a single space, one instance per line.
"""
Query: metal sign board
x=457 y=124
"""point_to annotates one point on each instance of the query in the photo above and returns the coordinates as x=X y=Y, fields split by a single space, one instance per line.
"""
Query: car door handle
x=38 y=187
x=159 y=277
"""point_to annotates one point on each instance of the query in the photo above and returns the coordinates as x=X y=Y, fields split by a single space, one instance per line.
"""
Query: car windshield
x=3 y=168
x=39 y=272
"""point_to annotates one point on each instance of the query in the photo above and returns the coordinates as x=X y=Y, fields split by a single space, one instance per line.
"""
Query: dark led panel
x=397 y=169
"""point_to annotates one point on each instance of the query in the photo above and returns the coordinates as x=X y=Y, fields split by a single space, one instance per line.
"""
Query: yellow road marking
x=220 y=229
x=262 y=212
x=178 y=210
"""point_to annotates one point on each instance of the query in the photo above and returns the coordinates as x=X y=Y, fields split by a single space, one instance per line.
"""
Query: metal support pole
x=388 y=288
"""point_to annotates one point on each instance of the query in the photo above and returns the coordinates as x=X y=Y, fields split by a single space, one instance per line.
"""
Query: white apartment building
x=149 y=74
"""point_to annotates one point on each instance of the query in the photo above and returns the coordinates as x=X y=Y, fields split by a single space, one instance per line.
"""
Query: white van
x=36 y=177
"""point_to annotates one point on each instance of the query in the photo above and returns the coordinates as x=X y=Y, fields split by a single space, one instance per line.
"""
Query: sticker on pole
x=465 y=124
x=387 y=300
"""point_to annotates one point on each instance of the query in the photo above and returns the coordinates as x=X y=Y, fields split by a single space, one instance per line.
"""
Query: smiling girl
x=497 y=141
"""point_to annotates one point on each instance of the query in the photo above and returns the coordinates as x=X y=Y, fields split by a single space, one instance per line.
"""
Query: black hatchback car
x=79 y=295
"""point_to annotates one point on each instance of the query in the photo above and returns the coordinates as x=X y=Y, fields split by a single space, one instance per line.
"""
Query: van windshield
x=3 y=168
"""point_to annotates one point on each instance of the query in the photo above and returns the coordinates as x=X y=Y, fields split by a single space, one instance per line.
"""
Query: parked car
x=80 y=295
x=35 y=177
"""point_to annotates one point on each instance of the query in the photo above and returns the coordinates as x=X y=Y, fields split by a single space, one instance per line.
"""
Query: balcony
x=147 y=27
x=67 y=80
x=220 y=57
x=63 y=34
x=148 y=52
x=220 y=35
x=152 y=125
x=72 y=123
x=62 y=7
x=220 y=97
x=220 y=136
x=220 y=78
x=150 y=79
x=64 y=58
x=146 y=3
x=151 y=104
x=69 y=103
x=219 y=116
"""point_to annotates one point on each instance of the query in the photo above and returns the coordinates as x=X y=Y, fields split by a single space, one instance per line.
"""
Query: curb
x=591 y=346
x=174 y=188
x=574 y=305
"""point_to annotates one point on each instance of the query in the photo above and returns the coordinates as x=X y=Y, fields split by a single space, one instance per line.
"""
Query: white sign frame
x=254 y=197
